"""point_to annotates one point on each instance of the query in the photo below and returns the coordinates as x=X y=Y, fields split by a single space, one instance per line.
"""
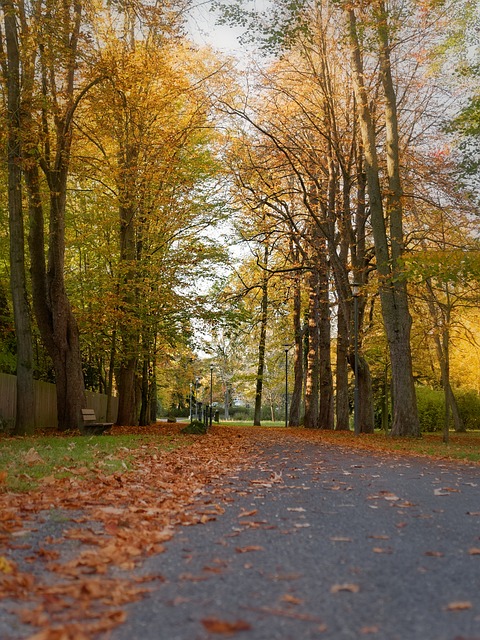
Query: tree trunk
x=326 y=417
x=393 y=293
x=25 y=408
x=261 y=346
x=144 y=419
x=127 y=396
x=341 y=398
x=296 y=399
x=312 y=373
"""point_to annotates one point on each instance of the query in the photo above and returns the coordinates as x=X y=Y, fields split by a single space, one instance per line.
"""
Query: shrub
x=431 y=409
x=469 y=407
x=196 y=428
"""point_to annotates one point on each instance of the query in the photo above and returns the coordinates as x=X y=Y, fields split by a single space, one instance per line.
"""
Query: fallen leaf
x=435 y=554
x=252 y=547
x=382 y=550
x=340 y=539
x=213 y=625
x=351 y=588
x=247 y=514
x=291 y=599
x=459 y=606
x=367 y=630
x=32 y=457
x=474 y=551
x=6 y=566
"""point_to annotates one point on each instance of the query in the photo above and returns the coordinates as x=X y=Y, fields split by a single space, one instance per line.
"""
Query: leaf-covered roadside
x=116 y=519
x=73 y=584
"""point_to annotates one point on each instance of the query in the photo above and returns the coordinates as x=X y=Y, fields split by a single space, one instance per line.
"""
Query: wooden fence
x=46 y=403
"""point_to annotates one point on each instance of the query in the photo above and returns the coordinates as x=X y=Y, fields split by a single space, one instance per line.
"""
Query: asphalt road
x=319 y=542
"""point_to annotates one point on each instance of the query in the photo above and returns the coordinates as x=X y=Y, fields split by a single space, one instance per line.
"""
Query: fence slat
x=46 y=403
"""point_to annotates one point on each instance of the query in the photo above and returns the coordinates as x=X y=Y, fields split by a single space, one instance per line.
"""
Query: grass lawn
x=26 y=460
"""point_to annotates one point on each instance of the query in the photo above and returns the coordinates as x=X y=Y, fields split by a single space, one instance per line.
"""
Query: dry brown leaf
x=474 y=551
x=214 y=625
x=351 y=588
x=434 y=554
x=291 y=599
x=247 y=514
x=32 y=457
x=459 y=606
x=386 y=550
x=371 y=629
x=252 y=547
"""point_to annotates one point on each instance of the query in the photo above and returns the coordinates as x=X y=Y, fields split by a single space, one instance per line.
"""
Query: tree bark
x=296 y=399
x=393 y=293
x=25 y=407
x=326 y=417
x=261 y=346
x=312 y=373
x=341 y=397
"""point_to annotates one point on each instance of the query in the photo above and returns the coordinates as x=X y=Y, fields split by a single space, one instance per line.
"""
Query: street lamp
x=355 y=293
x=286 y=347
x=191 y=386
x=211 y=393
x=197 y=380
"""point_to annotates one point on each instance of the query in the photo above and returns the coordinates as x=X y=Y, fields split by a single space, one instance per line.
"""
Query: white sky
x=204 y=31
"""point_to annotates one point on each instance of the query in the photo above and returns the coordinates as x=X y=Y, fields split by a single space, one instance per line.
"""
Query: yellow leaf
x=6 y=566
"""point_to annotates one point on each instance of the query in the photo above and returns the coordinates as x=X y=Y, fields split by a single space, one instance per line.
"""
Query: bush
x=196 y=428
x=469 y=407
x=431 y=409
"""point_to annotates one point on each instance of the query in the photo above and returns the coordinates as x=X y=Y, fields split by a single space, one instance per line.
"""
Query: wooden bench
x=90 y=425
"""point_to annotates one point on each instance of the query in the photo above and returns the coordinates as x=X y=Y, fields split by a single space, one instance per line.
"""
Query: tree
x=25 y=411
x=387 y=205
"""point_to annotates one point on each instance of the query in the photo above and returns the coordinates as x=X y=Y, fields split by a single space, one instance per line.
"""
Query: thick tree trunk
x=25 y=408
x=312 y=373
x=126 y=381
x=55 y=319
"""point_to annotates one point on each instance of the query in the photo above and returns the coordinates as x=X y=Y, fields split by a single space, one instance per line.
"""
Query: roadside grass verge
x=25 y=461
x=461 y=446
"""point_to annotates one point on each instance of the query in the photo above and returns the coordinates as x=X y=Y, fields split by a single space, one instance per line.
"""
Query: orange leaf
x=474 y=551
x=247 y=514
x=213 y=625
x=459 y=606
x=252 y=547
x=291 y=599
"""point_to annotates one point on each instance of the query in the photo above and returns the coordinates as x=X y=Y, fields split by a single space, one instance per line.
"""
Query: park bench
x=90 y=425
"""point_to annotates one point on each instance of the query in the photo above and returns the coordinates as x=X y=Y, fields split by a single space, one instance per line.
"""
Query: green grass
x=25 y=461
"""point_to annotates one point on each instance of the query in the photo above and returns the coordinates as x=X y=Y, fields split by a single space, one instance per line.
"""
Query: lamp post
x=191 y=416
x=355 y=293
x=197 y=380
x=286 y=347
x=211 y=393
